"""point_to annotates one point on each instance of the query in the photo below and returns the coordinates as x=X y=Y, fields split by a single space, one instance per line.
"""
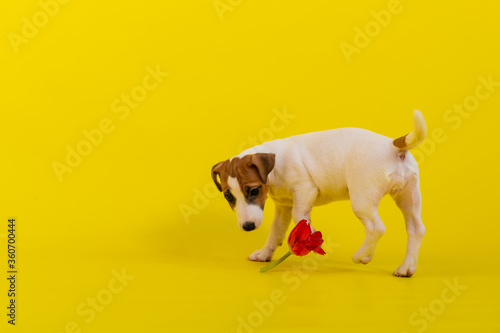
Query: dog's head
x=244 y=183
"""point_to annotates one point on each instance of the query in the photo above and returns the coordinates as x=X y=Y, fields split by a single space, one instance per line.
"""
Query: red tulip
x=301 y=241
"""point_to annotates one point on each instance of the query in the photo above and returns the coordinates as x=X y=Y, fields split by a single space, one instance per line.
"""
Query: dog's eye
x=229 y=197
x=254 y=192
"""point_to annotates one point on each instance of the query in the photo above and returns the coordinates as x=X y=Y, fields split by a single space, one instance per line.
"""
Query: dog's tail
x=414 y=138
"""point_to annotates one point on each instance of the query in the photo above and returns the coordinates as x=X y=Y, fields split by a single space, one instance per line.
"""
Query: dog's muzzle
x=248 y=226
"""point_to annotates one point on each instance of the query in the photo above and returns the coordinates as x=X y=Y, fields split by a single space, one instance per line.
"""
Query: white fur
x=348 y=163
x=244 y=211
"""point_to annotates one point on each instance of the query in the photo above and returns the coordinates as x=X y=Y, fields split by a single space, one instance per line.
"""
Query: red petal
x=299 y=249
x=301 y=232
x=319 y=250
x=316 y=239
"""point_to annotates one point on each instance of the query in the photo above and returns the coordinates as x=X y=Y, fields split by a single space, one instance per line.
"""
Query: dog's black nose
x=248 y=226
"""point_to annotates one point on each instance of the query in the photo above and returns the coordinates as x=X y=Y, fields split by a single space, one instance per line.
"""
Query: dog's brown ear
x=216 y=169
x=264 y=163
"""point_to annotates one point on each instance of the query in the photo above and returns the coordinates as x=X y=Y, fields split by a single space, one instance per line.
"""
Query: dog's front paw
x=263 y=254
x=362 y=257
x=405 y=270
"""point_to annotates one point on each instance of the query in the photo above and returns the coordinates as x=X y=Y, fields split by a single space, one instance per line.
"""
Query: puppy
x=316 y=168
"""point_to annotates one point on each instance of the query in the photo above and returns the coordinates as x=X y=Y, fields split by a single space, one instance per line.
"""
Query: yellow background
x=121 y=207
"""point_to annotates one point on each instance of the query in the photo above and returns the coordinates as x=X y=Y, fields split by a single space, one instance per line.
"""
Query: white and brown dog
x=313 y=169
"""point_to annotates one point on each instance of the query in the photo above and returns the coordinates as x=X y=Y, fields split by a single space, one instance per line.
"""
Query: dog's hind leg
x=409 y=202
x=365 y=207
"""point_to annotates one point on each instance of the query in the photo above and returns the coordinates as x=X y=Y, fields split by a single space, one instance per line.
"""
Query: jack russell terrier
x=316 y=168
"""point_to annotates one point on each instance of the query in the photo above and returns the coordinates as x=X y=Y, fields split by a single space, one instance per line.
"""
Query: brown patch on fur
x=216 y=171
x=400 y=142
x=250 y=170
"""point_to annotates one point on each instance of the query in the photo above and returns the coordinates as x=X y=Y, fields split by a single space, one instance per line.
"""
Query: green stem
x=277 y=262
